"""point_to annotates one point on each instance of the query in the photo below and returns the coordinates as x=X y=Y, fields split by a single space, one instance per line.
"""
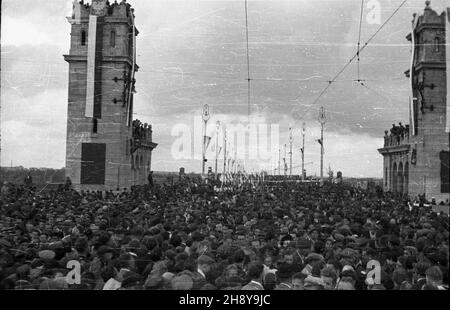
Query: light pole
x=291 y=139
x=279 y=161
x=217 y=146
x=303 y=151
x=224 y=154
x=284 y=160
x=205 y=116
x=322 y=121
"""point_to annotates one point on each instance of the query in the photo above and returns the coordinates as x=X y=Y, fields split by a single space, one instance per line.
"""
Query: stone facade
x=103 y=144
x=417 y=163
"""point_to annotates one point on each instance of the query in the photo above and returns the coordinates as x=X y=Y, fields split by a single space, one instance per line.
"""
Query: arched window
x=406 y=178
x=394 y=178
x=113 y=38
x=386 y=177
x=83 y=37
x=400 y=178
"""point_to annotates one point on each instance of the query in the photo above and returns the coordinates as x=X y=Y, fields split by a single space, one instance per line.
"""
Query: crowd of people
x=142 y=131
x=190 y=236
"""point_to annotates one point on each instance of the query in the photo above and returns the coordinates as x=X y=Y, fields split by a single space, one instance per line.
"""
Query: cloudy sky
x=193 y=53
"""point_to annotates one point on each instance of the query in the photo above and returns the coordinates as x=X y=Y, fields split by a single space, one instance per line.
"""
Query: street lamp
x=303 y=151
x=206 y=116
x=291 y=140
x=217 y=145
x=322 y=120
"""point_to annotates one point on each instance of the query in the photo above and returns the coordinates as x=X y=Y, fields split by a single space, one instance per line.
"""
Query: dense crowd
x=192 y=236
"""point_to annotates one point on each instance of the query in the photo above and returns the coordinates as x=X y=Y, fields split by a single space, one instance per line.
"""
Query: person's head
x=348 y=276
x=268 y=261
x=270 y=281
x=289 y=258
x=329 y=244
x=314 y=234
x=434 y=276
x=255 y=271
x=231 y=271
x=298 y=281
x=328 y=276
x=126 y=261
x=399 y=276
x=284 y=273
x=313 y=283
x=204 y=263
x=43 y=238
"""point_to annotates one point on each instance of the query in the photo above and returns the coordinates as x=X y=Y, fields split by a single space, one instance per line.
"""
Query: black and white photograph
x=207 y=147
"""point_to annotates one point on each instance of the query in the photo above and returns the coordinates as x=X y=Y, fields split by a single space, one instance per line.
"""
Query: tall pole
x=205 y=116
x=291 y=139
x=224 y=154
x=303 y=151
x=217 y=146
x=279 y=161
x=321 y=151
x=322 y=121
x=284 y=160
x=235 y=161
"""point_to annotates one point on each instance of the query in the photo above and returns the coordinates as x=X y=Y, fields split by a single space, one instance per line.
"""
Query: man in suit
x=255 y=273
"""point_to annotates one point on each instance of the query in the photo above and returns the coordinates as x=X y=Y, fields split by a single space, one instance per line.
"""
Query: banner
x=447 y=61
x=90 y=86
x=412 y=113
x=206 y=141
x=131 y=81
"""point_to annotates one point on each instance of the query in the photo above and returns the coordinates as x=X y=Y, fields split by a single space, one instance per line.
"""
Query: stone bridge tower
x=102 y=64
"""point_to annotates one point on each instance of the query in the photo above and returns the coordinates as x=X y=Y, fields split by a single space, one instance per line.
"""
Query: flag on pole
x=206 y=141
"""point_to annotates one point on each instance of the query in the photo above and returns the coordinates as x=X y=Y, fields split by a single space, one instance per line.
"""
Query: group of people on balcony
x=142 y=132
x=397 y=134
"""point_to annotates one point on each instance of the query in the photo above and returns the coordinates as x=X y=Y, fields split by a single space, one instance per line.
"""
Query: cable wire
x=349 y=62
x=248 y=60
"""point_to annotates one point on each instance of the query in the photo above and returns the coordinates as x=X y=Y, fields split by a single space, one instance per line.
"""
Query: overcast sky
x=194 y=52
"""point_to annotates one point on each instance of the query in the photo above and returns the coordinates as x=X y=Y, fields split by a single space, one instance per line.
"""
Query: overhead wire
x=359 y=35
x=330 y=82
x=248 y=61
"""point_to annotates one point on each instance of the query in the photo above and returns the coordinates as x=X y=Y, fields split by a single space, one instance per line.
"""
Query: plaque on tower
x=98 y=7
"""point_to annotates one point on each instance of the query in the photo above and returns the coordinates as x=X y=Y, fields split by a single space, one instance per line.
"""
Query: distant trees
x=40 y=176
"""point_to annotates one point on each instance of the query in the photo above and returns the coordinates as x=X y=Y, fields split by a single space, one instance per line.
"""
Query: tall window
x=113 y=38
x=83 y=37
x=95 y=126
x=436 y=44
